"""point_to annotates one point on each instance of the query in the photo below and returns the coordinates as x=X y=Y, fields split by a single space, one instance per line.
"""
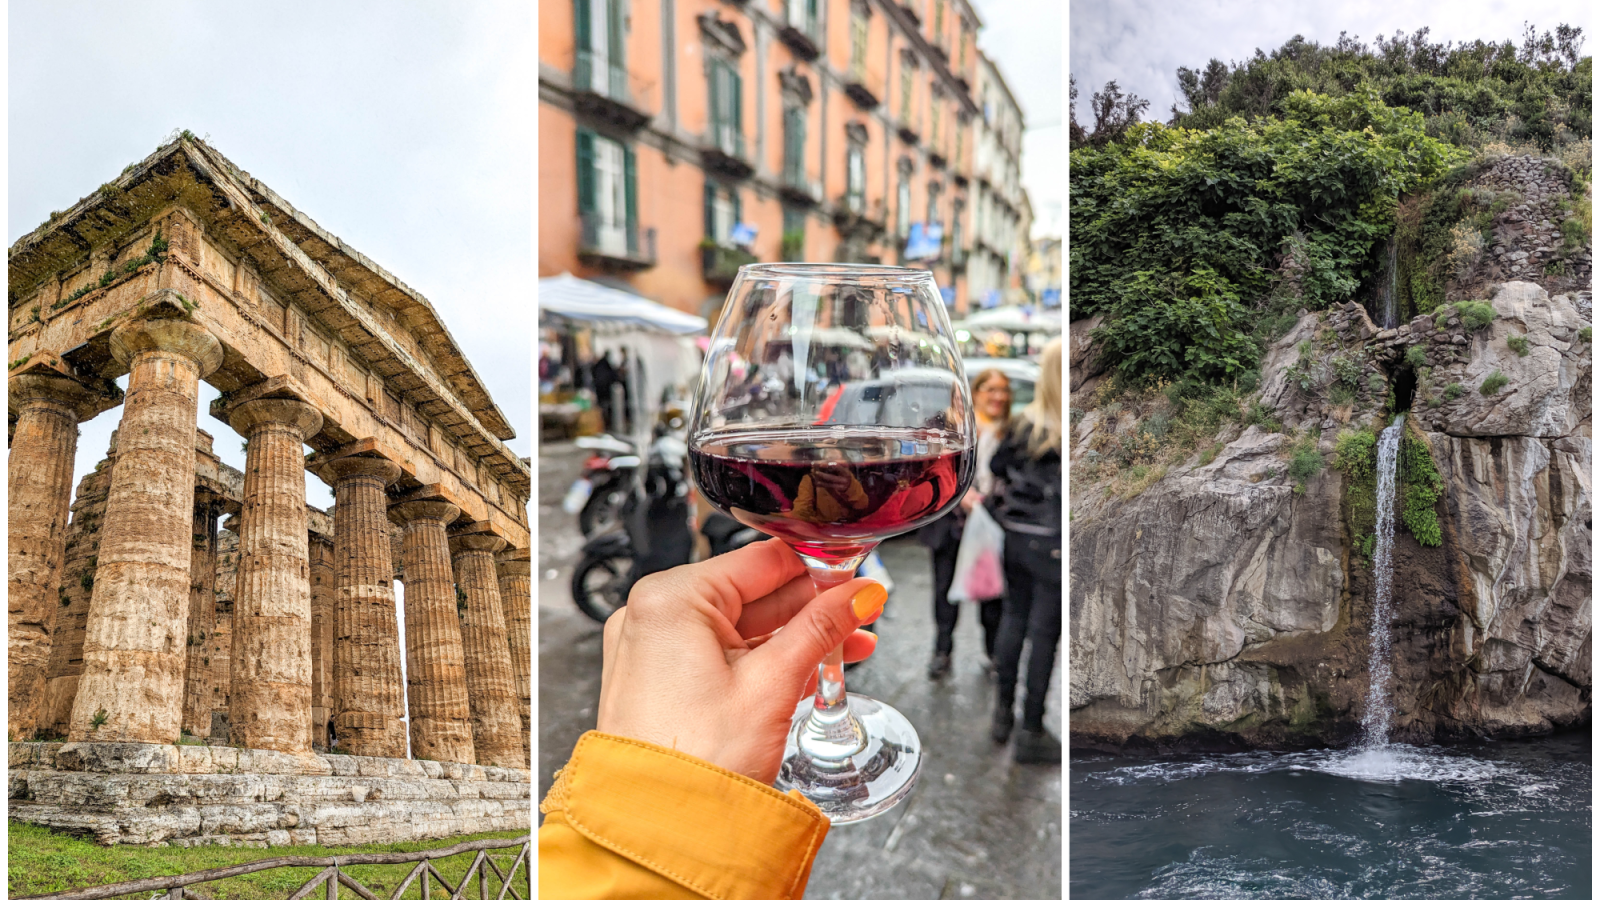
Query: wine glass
x=833 y=412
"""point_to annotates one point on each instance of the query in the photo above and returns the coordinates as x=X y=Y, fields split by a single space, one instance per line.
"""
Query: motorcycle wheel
x=600 y=584
x=603 y=512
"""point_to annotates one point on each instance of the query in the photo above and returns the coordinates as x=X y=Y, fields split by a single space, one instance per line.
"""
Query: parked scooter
x=596 y=497
x=655 y=533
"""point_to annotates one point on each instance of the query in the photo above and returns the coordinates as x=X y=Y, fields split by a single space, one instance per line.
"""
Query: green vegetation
x=1210 y=213
x=1416 y=357
x=1305 y=463
x=1454 y=391
x=1355 y=453
x=1585 y=334
x=41 y=861
x=1493 y=384
x=1518 y=344
x=1420 y=489
x=1474 y=314
x=1279 y=184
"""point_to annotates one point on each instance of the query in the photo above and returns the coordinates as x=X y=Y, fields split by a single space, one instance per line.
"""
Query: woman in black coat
x=1027 y=502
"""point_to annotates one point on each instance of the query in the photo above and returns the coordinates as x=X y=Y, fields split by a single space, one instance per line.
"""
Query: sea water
x=1494 y=820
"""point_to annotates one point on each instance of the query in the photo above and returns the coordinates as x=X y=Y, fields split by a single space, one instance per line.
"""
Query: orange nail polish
x=868 y=601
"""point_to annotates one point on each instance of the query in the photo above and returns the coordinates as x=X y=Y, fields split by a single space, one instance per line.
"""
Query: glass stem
x=830 y=732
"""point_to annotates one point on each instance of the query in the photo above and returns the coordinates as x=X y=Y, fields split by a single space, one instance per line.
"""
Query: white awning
x=1014 y=319
x=608 y=310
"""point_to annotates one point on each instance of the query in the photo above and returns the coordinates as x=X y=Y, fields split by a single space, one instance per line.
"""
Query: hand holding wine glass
x=692 y=663
x=833 y=412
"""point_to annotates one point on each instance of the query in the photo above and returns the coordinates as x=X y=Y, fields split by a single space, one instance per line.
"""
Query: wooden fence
x=331 y=876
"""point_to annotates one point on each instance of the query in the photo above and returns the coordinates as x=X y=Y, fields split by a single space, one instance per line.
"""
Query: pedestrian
x=603 y=375
x=670 y=797
x=1027 y=503
x=991 y=402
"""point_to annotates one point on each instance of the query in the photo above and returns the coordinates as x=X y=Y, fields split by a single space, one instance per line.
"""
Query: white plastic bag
x=980 y=574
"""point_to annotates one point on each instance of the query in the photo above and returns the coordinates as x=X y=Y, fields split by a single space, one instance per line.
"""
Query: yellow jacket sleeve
x=628 y=819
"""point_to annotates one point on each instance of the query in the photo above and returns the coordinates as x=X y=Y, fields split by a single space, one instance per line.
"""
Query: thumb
x=795 y=651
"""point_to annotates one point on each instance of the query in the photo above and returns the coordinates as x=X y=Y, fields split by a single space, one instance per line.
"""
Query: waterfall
x=1380 y=668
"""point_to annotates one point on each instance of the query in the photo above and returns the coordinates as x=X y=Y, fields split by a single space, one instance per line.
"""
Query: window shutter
x=586 y=178
x=737 y=111
x=581 y=26
x=714 y=102
x=711 y=214
x=631 y=189
x=615 y=35
x=733 y=195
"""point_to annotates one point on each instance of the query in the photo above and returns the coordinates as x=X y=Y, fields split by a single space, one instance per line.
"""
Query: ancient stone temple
x=179 y=611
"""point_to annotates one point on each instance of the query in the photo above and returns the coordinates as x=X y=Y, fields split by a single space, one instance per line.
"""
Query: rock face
x=186 y=796
x=1220 y=607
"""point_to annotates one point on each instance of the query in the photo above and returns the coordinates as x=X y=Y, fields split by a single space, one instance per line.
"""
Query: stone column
x=133 y=650
x=369 y=702
x=436 y=679
x=270 y=707
x=202 y=619
x=222 y=662
x=43 y=447
x=322 y=590
x=496 y=726
x=516 y=585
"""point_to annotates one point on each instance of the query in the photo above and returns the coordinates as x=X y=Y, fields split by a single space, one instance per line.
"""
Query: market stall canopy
x=608 y=310
x=1014 y=319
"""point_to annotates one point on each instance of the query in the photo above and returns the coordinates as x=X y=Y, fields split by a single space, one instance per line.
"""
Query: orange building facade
x=679 y=139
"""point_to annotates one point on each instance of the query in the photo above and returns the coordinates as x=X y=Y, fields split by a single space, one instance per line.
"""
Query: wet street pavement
x=976 y=825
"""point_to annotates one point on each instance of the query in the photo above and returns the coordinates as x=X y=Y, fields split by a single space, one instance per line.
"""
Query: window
x=794 y=235
x=961 y=60
x=855 y=178
x=794 y=145
x=607 y=194
x=601 y=41
x=907 y=83
x=902 y=206
x=933 y=203
x=938 y=22
x=955 y=228
x=726 y=107
x=802 y=15
x=858 y=43
x=722 y=212
x=933 y=124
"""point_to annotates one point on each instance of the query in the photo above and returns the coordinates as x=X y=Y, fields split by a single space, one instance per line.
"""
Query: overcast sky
x=1141 y=43
x=405 y=129
x=1024 y=41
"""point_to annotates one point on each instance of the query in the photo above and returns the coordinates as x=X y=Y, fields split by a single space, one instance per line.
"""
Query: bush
x=1584 y=334
x=1341 y=394
x=1493 y=384
x=1420 y=488
x=1347 y=369
x=1475 y=314
x=1518 y=344
x=1376 y=383
x=1416 y=357
x=1355 y=453
x=1304 y=463
x=1454 y=391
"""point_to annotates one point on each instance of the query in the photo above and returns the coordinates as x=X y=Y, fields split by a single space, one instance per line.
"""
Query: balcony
x=719 y=264
x=907 y=133
x=863 y=88
x=603 y=89
x=796 y=189
x=910 y=13
x=799 y=30
x=936 y=159
x=615 y=247
x=852 y=221
x=723 y=151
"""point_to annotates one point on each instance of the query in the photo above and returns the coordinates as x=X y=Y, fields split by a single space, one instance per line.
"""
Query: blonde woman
x=1026 y=501
x=991 y=403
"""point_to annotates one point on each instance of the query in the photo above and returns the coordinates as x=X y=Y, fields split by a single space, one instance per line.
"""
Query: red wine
x=833 y=493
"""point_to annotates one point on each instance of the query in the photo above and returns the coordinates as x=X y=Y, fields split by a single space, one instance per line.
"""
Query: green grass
x=1493 y=384
x=42 y=861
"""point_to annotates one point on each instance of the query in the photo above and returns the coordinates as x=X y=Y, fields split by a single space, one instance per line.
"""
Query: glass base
x=863 y=780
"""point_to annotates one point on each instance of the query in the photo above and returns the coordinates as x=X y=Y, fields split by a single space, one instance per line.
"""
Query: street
x=976 y=825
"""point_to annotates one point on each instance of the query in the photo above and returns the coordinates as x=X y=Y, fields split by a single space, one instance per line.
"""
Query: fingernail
x=868 y=601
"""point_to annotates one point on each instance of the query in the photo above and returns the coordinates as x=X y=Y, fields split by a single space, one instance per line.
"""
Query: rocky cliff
x=1225 y=599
